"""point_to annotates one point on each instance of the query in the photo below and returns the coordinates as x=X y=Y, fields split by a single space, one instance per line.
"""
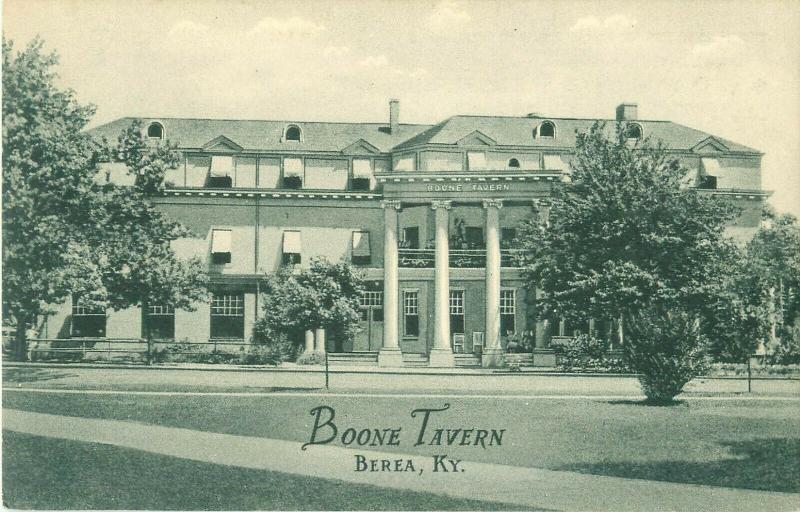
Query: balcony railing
x=459 y=258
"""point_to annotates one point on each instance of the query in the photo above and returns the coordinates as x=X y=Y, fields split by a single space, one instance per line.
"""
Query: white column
x=390 y=354
x=309 y=341
x=493 y=354
x=320 y=341
x=441 y=354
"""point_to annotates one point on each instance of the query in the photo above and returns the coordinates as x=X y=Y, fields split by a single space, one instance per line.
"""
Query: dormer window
x=513 y=163
x=633 y=131
x=155 y=131
x=546 y=130
x=293 y=133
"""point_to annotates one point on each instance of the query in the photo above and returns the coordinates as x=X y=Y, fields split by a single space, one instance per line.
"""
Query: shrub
x=273 y=351
x=667 y=349
x=788 y=350
x=312 y=358
x=587 y=353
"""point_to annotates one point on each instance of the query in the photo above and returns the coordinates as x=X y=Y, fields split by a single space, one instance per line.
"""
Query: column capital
x=390 y=203
x=441 y=204
x=488 y=203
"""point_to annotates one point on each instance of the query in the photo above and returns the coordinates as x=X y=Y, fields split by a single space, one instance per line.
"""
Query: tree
x=143 y=268
x=772 y=280
x=49 y=192
x=627 y=235
x=325 y=295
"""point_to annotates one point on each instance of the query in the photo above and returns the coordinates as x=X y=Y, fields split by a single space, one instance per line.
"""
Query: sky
x=730 y=68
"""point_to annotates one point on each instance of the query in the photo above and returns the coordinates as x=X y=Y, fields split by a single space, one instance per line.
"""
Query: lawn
x=43 y=473
x=745 y=444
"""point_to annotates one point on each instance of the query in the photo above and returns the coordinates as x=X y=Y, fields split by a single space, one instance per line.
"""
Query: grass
x=748 y=444
x=43 y=473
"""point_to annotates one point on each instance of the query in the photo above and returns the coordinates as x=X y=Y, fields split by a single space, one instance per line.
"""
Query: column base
x=390 y=357
x=441 y=358
x=493 y=358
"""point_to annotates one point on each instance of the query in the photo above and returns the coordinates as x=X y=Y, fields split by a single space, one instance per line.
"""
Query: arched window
x=292 y=133
x=513 y=163
x=547 y=129
x=633 y=131
x=155 y=131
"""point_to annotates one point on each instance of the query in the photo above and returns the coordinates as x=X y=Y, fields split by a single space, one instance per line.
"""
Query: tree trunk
x=147 y=333
x=20 y=338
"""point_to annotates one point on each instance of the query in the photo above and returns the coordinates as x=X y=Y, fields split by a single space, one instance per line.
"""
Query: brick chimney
x=627 y=112
x=394 y=115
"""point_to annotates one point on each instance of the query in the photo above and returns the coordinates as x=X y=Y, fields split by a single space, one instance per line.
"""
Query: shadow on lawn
x=648 y=403
x=759 y=464
x=33 y=374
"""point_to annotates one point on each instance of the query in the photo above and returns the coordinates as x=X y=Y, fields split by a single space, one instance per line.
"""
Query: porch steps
x=353 y=358
x=467 y=361
x=415 y=360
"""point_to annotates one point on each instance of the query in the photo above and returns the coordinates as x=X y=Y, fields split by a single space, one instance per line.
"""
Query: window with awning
x=361 y=250
x=710 y=171
x=221 y=173
x=221 y=245
x=292 y=247
x=362 y=174
x=476 y=160
x=293 y=173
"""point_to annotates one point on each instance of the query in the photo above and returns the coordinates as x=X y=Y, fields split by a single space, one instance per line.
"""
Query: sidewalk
x=528 y=487
x=398 y=380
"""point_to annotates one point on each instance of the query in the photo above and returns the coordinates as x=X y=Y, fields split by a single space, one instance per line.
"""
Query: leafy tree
x=49 y=192
x=626 y=235
x=65 y=232
x=772 y=278
x=325 y=295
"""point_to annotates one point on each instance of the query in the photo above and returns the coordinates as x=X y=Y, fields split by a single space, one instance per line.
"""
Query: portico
x=439 y=199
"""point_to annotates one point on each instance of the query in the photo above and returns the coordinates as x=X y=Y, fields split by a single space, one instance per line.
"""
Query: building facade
x=428 y=212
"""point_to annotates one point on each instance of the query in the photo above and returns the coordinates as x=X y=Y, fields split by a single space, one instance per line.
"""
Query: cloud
x=719 y=45
x=448 y=15
x=188 y=29
x=614 y=22
x=293 y=26
x=335 y=51
x=374 y=61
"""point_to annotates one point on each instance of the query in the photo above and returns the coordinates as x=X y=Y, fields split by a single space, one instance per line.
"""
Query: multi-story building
x=429 y=212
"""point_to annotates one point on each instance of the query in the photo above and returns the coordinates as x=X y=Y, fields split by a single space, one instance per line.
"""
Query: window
x=292 y=247
x=710 y=168
x=361 y=250
x=221 y=173
x=161 y=322
x=633 y=131
x=474 y=237
x=372 y=300
x=87 y=322
x=411 y=237
x=411 y=313
x=457 y=311
x=476 y=160
x=221 y=246
x=292 y=133
x=227 y=315
x=405 y=163
x=293 y=173
x=507 y=237
x=513 y=164
x=546 y=130
x=155 y=131
x=508 y=311
x=362 y=174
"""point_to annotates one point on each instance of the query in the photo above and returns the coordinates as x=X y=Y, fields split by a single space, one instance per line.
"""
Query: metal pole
x=326 y=370
x=749 y=376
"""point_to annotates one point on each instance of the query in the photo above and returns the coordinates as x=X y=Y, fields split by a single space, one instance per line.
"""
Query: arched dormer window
x=155 y=131
x=293 y=133
x=513 y=163
x=546 y=130
x=633 y=131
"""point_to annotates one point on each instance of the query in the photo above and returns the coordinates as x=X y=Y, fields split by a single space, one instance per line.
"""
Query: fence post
x=749 y=376
x=326 y=370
